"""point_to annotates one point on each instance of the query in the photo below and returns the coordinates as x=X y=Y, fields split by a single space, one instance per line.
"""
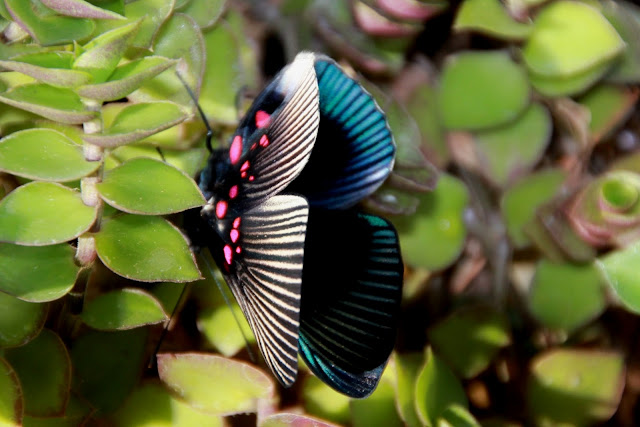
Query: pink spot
x=221 y=209
x=234 y=234
x=251 y=178
x=236 y=222
x=253 y=147
x=262 y=119
x=244 y=166
x=238 y=249
x=236 y=149
x=264 y=141
x=228 y=254
x=233 y=191
x=243 y=175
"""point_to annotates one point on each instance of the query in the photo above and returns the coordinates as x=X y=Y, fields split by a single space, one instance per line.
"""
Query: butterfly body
x=279 y=217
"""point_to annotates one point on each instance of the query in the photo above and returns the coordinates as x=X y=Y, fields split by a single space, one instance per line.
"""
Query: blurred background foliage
x=516 y=194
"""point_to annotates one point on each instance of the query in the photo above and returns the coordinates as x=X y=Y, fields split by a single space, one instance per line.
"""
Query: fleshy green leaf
x=379 y=408
x=625 y=18
x=219 y=327
x=123 y=309
x=11 y=400
x=101 y=55
x=520 y=202
x=46 y=380
x=513 y=150
x=44 y=26
x=147 y=186
x=80 y=9
x=584 y=40
x=324 y=402
x=53 y=68
x=108 y=365
x=145 y=248
x=437 y=388
x=43 y=213
x=43 y=154
x=293 y=420
x=239 y=387
x=469 y=338
x=609 y=107
x=575 y=387
x=620 y=271
x=138 y=121
x=20 y=321
x=126 y=78
x=152 y=405
x=490 y=17
x=568 y=85
x=407 y=367
x=54 y=277
x=481 y=90
x=54 y=103
x=205 y=12
x=438 y=219
x=566 y=296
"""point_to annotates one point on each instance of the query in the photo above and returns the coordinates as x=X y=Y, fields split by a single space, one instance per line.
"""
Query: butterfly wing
x=352 y=287
x=354 y=150
x=272 y=143
x=261 y=260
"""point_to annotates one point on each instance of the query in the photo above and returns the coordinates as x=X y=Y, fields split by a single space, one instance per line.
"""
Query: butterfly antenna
x=165 y=330
x=202 y=116
x=252 y=355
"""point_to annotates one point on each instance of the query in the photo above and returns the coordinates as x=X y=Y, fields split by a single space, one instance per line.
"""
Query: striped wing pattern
x=268 y=277
x=354 y=151
x=291 y=133
x=347 y=330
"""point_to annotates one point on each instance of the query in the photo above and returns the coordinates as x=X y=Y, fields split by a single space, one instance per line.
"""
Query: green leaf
x=566 y=296
x=584 y=40
x=147 y=186
x=437 y=388
x=575 y=387
x=457 y=416
x=609 y=106
x=43 y=154
x=190 y=161
x=619 y=269
x=11 y=399
x=568 y=85
x=490 y=17
x=20 y=321
x=379 y=408
x=57 y=104
x=470 y=338
x=293 y=420
x=54 y=277
x=625 y=18
x=53 y=68
x=407 y=367
x=80 y=9
x=45 y=27
x=126 y=78
x=479 y=90
x=179 y=38
x=43 y=213
x=146 y=249
x=102 y=54
x=513 y=150
x=204 y=12
x=123 y=309
x=137 y=121
x=520 y=202
x=152 y=405
x=437 y=219
x=46 y=380
x=239 y=387
x=108 y=365
x=324 y=402
x=219 y=327
x=218 y=94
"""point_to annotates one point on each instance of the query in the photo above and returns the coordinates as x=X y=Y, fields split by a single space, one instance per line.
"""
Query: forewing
x=352 y=288
x=272 y=143
x=265 y=276
x=354 y=151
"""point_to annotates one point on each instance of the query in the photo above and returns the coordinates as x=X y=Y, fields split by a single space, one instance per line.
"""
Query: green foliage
x=515 y=192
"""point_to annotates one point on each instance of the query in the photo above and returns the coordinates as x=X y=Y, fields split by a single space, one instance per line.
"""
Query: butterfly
x=312 y=274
